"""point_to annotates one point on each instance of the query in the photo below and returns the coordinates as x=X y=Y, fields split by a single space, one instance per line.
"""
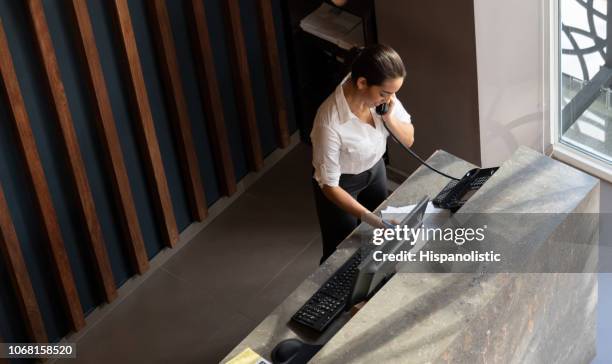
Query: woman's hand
x=373 y=220
x=391 y=104
x=402 y=131
x=345 y=201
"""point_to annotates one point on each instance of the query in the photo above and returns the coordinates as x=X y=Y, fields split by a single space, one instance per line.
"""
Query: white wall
x=510 y=49
x=513 y=81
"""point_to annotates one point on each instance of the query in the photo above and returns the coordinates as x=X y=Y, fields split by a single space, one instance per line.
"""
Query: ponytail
x=376 y=63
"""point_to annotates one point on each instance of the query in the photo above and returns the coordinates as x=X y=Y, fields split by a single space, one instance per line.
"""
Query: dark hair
x=376 y=63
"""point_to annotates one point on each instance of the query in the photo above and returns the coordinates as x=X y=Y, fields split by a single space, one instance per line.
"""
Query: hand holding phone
x=382 y=109
x=386 y=107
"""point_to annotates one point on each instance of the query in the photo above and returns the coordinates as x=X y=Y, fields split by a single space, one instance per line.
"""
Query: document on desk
x=248 y=356
x=434 y=217
x=431 y=209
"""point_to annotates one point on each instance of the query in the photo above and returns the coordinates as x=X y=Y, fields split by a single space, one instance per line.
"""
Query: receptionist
x=349 y=140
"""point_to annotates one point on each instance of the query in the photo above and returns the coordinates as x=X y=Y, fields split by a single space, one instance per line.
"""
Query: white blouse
x=342 y=143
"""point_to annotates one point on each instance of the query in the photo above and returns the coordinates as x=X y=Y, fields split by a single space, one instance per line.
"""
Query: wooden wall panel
x=43 y=199
x=77 y=167
x=11 y=249
x=164 y=41
x=273 y=71
x=110 y=139
x=211 y=99
x=144 y=119
x=242 y=84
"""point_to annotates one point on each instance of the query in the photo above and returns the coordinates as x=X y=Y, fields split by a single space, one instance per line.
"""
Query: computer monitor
x=372 y=274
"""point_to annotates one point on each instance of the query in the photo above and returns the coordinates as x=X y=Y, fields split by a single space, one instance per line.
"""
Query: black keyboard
x=331 y=299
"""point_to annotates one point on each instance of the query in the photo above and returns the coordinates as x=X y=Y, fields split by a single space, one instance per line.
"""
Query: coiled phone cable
x=413 y=153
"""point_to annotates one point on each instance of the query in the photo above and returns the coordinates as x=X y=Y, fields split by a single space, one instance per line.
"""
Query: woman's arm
x=346 y=202
x=404 y=131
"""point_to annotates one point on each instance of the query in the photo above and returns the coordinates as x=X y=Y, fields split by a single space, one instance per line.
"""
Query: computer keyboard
x=331 y=299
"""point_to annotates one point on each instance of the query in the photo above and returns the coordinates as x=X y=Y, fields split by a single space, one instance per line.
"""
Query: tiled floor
x=217 y=288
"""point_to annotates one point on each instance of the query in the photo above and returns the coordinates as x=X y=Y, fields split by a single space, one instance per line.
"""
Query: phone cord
x=414 y=154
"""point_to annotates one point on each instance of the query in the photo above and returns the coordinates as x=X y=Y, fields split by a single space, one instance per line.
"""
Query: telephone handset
x=382 y=109
x=457 y=191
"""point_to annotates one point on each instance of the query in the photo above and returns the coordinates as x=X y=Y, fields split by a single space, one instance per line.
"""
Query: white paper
x=334 y=25
x=431 y=209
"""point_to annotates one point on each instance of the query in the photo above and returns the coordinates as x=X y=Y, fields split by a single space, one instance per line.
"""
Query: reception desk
x=541 y=312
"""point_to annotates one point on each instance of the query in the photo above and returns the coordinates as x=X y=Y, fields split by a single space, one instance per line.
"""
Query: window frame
x=558 y=150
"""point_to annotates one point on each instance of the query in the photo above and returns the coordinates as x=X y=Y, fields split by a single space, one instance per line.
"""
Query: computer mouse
x=286 y=350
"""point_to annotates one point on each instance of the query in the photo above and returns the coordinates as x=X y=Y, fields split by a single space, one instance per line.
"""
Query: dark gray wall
x=12 y=167
x=436 y=41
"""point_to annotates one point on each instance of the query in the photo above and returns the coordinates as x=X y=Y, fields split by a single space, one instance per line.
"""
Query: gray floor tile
x=245 y=247
x=284 y=283
x=217 y=347
x=290 y=177
x=240 y=252
x=166 y=320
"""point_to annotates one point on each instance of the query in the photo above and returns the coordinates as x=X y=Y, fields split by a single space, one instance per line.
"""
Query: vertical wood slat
x=242 y=84
x=273 y=71
x=46 y=52
x=211 y=99
x=110 y=139
x=146 y=127
x=173 y=85
x=9 y=245
x=41 y=190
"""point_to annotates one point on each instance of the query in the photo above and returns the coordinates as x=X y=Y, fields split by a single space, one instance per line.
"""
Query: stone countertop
x=420 y=317
x=507 y=317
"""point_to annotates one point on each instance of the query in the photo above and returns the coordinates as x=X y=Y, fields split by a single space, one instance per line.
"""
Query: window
x=583 y=76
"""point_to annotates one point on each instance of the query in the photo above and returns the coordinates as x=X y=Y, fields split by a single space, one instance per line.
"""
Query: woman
x=349 y=140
